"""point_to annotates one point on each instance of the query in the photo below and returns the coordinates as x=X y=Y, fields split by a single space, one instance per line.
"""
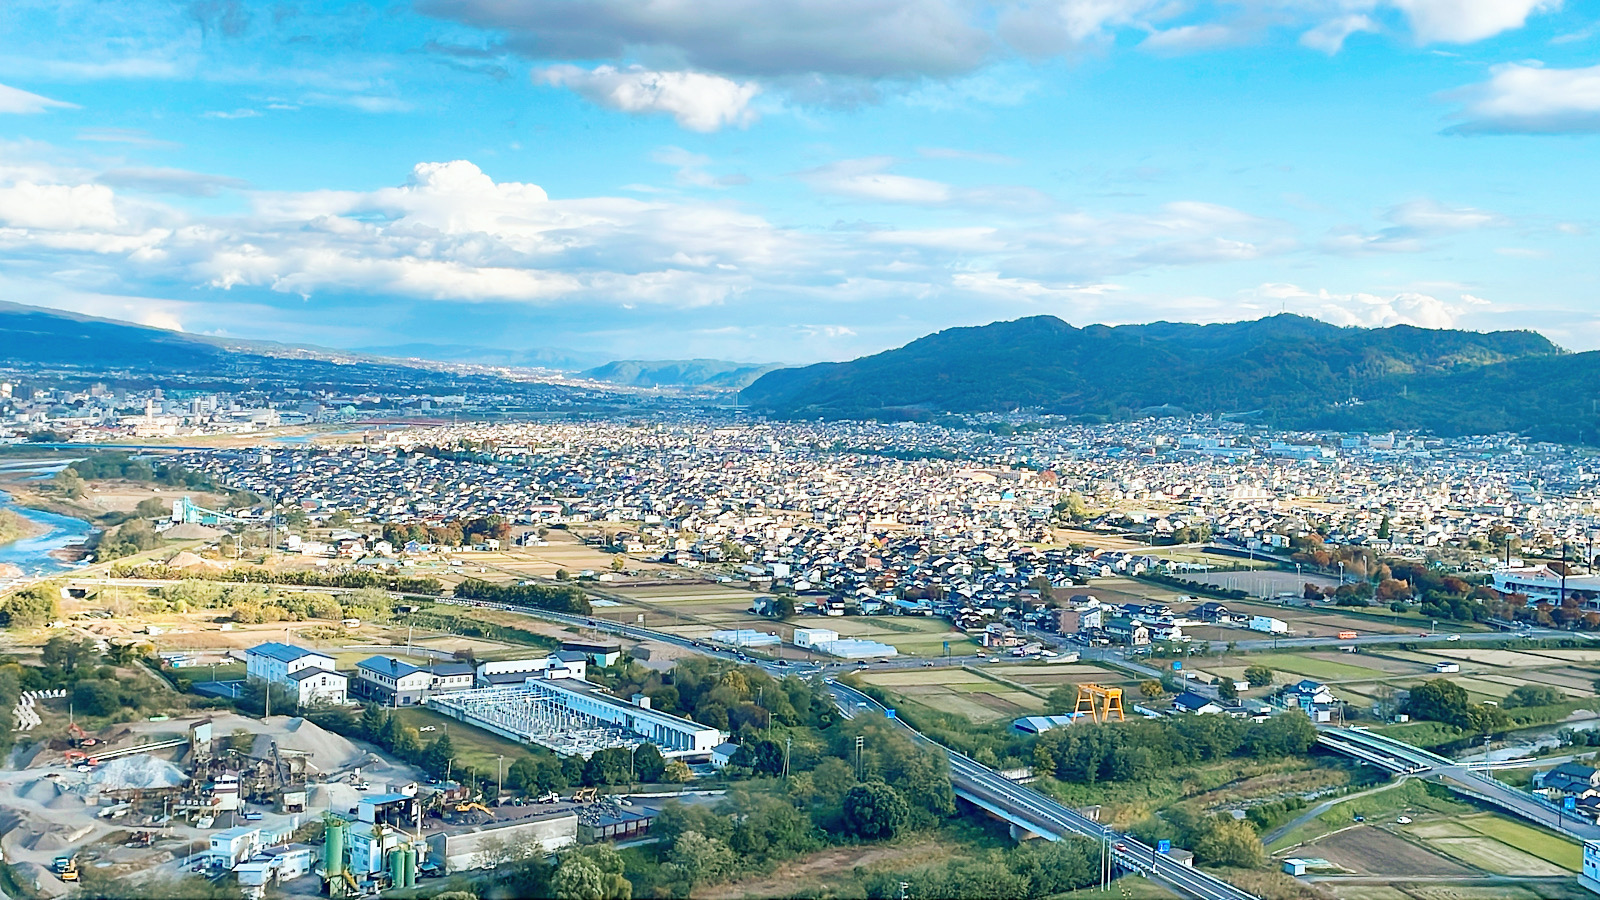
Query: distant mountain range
x=1287 y=370
x=534 y=358
x=48 y=340
x=706 y=373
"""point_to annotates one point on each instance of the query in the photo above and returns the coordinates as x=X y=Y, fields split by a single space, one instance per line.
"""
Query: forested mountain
x=1286 y=369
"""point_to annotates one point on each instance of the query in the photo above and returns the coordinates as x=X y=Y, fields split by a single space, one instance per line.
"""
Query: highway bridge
x=1466 y=779
x=1026 y=809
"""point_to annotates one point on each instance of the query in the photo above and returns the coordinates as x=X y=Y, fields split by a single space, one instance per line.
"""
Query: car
x=1121 y=847
x=994 y=659
x=782 y=663
x=928 y=664
x=1422 y=634
x=1403 y=820
x=250 y=816
x=427 y=728
x=1453 y=637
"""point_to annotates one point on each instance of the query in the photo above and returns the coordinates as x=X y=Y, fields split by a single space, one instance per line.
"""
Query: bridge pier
x=1020 y=834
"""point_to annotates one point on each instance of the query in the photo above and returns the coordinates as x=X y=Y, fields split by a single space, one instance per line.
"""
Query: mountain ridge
x=1298 y=371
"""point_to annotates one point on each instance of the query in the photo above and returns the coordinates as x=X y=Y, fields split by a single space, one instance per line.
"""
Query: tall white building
x=308 y=675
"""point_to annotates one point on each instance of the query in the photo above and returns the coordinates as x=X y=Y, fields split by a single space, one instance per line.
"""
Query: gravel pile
x=138 y=771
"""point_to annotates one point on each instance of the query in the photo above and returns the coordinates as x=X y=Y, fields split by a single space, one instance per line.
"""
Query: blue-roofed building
x=306 y=674
x=395 y=682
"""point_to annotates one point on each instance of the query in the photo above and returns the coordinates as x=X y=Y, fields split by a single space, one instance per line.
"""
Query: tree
x=1064 y=699
x=1533 y=695
x=1258 y=676
x=69 y=483
x=374 y=722
x=1229 y=842
x=1226 y=690
x=66 y=652
x=648 y=764
x=151 y=508
x=96 y=698
x=699 y=858
x=30 y=607
x=592 y=873
x=874 y=811
x=436 y=759
x=1152 y=689
x=676 y=772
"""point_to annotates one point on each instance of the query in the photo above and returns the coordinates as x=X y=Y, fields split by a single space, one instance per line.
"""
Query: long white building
x=1542 y=583
x=306 y=674
x=573 y=717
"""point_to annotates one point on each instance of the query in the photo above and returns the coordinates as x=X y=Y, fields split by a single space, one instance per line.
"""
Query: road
x=1045 y=814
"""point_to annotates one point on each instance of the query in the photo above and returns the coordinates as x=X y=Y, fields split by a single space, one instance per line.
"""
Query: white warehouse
x=573 y=717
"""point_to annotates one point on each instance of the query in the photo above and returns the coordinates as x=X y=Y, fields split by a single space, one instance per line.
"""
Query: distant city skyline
x=796 y=180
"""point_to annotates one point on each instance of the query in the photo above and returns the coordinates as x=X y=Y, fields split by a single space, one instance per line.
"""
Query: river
x=32 y=554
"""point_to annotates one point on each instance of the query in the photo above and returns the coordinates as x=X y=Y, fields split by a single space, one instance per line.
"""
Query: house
x=1570 y=779
x=1198 y=704
x=1076 y=619
x=1311 y=697
x=1128 y=631
x=307 y=675
x=721 y=753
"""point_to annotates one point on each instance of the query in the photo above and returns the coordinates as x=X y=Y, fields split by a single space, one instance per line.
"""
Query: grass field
x=473 y=746
x=959 y=691
x=1310 y=666
x=1478 y=843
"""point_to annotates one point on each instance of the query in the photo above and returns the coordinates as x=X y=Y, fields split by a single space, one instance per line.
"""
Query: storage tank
x=333 y=849
x=410 y=870
x=397 y=861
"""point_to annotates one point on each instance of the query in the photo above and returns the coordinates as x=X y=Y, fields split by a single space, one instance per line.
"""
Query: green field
x=473 y=746
x=1546 y=845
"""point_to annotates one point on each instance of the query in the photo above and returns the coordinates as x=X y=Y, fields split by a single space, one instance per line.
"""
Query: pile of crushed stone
x=138 y=771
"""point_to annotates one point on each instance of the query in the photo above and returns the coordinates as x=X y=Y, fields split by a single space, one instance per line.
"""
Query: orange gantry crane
x=1099 y=702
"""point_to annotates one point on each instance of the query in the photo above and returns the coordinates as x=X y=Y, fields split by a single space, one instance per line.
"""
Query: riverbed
x=32 y=555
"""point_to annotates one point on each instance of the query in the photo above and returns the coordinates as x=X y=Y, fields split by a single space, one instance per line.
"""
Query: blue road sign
x=888 y=713
x=1163 y=846
x=1177 y=665
x=1570 y=803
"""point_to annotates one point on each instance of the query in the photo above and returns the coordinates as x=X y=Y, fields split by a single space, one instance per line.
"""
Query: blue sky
x=796 y=180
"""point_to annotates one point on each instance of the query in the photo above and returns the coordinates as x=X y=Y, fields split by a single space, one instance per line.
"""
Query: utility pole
x=500 y=779
x=860 y=742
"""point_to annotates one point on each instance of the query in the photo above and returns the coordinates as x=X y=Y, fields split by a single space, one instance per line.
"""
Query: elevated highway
x=1465 y=779
x=972 y=781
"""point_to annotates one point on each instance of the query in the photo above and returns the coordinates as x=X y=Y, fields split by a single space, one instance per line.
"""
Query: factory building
x=572 y=717
x=306 y=674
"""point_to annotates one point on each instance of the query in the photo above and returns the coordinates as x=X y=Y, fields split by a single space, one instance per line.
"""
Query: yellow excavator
x=468 y=807
x=586 y=795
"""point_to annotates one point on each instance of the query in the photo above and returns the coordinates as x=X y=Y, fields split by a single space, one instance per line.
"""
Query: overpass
x=1026 y=809
x=1465 y=779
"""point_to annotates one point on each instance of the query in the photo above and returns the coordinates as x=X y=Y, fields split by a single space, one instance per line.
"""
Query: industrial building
x=516 y=671
x=826 y=640
x=306 y=674
x=475 y=847
x=394 y=682
x=746 y=637
x=572 y=717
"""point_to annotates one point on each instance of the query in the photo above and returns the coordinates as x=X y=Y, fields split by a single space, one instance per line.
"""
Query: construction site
x=277 y=801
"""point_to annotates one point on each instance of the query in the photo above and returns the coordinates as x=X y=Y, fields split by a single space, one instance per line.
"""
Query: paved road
x=965 y=773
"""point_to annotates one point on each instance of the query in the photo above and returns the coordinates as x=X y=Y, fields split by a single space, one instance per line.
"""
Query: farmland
x=962 y=691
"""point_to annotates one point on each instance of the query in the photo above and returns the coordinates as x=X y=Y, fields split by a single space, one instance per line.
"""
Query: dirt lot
x=1366 y=850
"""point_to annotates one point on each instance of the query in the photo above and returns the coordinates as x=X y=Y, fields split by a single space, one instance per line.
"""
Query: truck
x=1268 y=625
x=1347 y=635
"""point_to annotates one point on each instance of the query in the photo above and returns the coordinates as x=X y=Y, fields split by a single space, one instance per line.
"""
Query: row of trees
x=556 y=598
x=408 y=584
x=1136 y=750
x=744 y=700
x=450 y=534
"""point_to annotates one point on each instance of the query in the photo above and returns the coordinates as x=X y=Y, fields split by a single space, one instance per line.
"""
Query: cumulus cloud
x=20 y=102
x=699 y=102
x=1529 y=99
x=1190 y=38
x=1465 y=21
x=1040 y=28
x=1371 y=310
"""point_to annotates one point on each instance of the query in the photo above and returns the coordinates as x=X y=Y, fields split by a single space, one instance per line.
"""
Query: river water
x=32 y=555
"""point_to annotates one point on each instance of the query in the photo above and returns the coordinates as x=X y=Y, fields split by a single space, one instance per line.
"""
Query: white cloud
x=1329 y=37
x=1041 y=28
x=699 y=102
x=19 y=102
x=58 y=207
x=1466 y=21
x=1370 y=310
x=171 y=181
x=1190 y=38
x=1432 y=217
x=868 y=179
x=1529 y=99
